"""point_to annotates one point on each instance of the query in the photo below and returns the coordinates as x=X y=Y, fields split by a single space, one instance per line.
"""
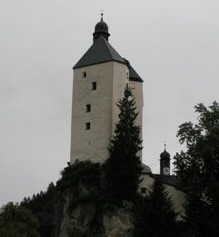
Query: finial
x=165 y=146
x=101 y=15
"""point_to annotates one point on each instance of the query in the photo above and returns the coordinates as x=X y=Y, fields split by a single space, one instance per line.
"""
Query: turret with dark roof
x=101 y=51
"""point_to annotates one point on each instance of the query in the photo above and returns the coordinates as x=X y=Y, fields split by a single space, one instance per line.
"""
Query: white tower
x=99 y=80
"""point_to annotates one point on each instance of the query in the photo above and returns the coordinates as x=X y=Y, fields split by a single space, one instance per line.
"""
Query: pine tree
x=155 y=216
x=123 y=166
x=162 y=210
x=18 y=221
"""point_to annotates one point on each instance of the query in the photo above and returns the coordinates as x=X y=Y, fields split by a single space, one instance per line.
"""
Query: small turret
x=165 y=162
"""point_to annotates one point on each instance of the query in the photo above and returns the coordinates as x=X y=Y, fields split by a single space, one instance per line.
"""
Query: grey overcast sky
x=173 y=45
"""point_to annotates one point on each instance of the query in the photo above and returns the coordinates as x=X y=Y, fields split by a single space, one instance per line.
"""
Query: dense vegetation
x=154 y=214
x=42 y=206
x=198 y=170
x=18 y=221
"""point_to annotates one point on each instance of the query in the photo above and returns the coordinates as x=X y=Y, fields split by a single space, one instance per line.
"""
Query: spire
x=101 y=29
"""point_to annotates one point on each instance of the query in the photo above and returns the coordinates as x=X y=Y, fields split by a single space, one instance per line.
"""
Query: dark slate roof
x=133 y=75
x=101 y=51
x=165 y=155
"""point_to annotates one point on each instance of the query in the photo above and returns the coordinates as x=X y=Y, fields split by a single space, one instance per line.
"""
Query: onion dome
x=165 y=155
x=101 y=29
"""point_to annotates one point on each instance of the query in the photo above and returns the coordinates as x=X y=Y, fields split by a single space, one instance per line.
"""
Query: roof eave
x=91 y=64
x=136 y=79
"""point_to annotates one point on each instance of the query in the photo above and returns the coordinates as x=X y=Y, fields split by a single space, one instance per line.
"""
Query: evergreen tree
x=155 y=216
x=17 y=221
x=123 y=166
x=42 y=205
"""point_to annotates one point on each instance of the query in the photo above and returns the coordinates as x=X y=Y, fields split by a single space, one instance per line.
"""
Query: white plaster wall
x=120 y=79
x=137 y=90
x=177 y=196
x=111 y=78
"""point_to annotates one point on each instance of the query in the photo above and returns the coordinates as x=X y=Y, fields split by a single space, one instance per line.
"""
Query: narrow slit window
x=94 y=86
x=84 y=74
x=87 y=126
x=88 y=108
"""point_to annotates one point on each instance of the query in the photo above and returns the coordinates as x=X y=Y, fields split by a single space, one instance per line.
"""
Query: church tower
x=164 y=162
x=99 y=79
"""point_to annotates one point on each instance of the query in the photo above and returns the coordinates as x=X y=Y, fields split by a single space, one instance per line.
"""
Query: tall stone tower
x=99 y=80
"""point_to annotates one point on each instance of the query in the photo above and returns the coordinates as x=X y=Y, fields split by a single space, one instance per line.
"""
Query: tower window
x=88 y=108
x=87 y=125
x=143 y=190
x=84 y=74
x=94 y=86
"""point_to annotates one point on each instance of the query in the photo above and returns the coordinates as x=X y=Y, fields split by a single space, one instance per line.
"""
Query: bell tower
x=99 y=79
x=165 y=162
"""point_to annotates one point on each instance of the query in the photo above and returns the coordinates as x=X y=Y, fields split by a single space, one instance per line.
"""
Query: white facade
x=94 y=110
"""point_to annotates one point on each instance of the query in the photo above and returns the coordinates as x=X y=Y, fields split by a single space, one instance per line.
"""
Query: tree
x=155 y=216
x=18 y=221
x=42 y=205
x=198 y=170
x=123 y=166
x=201 y=159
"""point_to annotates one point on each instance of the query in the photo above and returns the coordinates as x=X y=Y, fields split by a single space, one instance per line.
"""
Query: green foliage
x=82 y=179
x=200 y=162
x=18 y=221
x=43 y=206
x=200 y=219
x=198 y=170
x=155 y=216
x=123 y=166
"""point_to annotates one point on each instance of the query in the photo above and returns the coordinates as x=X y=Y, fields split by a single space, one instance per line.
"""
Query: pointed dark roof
x=101 y=51
x=133 y=75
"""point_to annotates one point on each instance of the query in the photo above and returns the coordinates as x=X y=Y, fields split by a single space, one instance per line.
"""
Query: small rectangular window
x=143 y=190
x=87 y=126
x=88 y=108
x=94 y=86
x=84 y=74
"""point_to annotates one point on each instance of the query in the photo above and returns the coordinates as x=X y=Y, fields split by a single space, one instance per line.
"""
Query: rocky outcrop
x=118 y=223
x=85 y=209
x=86 y=220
